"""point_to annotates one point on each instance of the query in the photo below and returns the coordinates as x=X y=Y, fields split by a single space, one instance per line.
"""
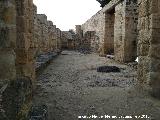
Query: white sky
x=67 y=13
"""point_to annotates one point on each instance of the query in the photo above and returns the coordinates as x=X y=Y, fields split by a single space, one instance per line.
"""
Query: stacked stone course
x=122 y=26
x=70 y=40
x=16 y=61
x=46 y=36
x=24 y=35
x=116 y=29
x=149 y=44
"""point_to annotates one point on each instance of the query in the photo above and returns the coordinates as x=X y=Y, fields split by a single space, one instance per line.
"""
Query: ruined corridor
x=71 y=86
x=107 y=68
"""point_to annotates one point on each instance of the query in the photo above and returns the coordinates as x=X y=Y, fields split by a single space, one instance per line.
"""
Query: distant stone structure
x=68 y=41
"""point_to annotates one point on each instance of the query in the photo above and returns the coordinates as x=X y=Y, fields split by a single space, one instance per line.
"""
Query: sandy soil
x=70 y=86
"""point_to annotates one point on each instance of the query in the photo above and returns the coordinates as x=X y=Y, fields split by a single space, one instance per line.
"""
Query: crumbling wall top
x=111 y=5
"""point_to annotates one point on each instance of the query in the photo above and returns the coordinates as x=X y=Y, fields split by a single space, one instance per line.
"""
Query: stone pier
x=16 y=61
x=115 y=26
x=149 y=44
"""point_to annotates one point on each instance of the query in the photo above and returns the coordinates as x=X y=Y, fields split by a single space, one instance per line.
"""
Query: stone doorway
x=109 y=32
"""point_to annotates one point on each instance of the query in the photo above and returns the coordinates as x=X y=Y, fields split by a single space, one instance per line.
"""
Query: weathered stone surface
x=79 y=31
x=15 y=62
x=148 y=44
x=16 y=97
x=69 y=40
x=46 y=36
x=116 y=27
x=23 y=36
x=7 y=39
x=96 y=23
x=7 y=64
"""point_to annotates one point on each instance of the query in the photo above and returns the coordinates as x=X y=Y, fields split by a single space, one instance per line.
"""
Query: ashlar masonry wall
x=96 y=23
x=125 y=31
x=149 y=44
x=47 y=37
x=116 y=27
x=22 y=34
x=16 y=25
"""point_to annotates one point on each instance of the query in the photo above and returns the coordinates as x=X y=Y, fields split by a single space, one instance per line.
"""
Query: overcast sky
x=67 y=13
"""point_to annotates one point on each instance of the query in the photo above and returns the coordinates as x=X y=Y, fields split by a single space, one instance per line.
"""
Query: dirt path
x=71 y=87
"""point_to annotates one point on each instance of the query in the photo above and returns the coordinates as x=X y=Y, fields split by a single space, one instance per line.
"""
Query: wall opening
x=109 y=32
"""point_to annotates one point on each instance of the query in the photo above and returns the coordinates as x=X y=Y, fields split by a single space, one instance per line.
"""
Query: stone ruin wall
x=18 y=44
x=115 y=27
x=46 y=36
x=132 y=30
x=17 y=63
x=149 y=44
x=23 y=35
x=125 y=31
x=131 y=18
x=58 y=39
x=96 y=23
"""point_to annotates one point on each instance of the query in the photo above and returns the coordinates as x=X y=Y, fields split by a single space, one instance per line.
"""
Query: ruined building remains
x=124 y=28
x=128 y=29
x=24 y=35
x=115 y=27
x=149 y=44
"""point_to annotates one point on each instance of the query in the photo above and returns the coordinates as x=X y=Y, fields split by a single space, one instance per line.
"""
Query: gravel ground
x=71 y=86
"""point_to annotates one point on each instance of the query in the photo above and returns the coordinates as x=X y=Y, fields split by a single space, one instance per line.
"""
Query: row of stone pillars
x=16 y=28
x=16 y=58
x=120 y=30
x=122 y=25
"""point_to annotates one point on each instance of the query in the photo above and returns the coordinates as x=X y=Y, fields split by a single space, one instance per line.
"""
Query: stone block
x=21 y=90
x=27 y=69
x=21 y=7
x=9 y=14
x=144 y=36
x=7 y=64
x=143 y=49
x=31 y=53
x=21 y=56
x=155 y=21
x=23 y=41
x=4 y=37
x=154 y=78
x=144 y=8
x=8 y=36
x=154 y=6
x=154 y=64
x=143 y=69
x=22 y=24
x=154 y=51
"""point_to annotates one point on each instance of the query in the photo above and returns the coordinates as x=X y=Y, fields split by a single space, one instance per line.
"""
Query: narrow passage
x=71 y=86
